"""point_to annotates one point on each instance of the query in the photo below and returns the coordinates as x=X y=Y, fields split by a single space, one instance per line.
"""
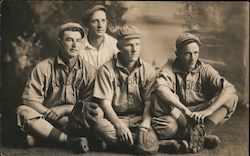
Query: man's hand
x=55 y=113
x=124 y=135
x=200 y=116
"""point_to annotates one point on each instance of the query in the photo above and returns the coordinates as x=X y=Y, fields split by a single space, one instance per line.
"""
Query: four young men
x=127 y=90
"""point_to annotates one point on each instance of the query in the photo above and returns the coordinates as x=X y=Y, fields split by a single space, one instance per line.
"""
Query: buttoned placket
x=132 y=83
x=188 y=80
x=69 y=91
x=96 y=52
x=184 y=79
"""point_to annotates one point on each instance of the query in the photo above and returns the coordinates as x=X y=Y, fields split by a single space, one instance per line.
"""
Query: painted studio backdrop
x=29 y=29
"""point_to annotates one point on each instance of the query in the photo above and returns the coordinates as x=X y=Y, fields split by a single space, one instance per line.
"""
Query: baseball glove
x=83 y=114
x=193 y=136
x=146 y=142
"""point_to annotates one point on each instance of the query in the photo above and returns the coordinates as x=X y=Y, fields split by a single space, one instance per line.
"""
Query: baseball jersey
x=195 y=87
x=98 y=57
x=127 y=91
x=52 y=83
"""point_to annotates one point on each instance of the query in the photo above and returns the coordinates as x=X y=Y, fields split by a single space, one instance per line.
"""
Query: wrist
x=187 y=112
x=146 y=124
x=118 y=125
x=210 y=110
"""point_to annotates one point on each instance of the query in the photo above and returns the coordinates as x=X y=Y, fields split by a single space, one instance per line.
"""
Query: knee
x=21 y=109
x=165 y=128
x=232 y=103
x=106 y=130
x=26 y=111
x=102 y=124
x=25 y=114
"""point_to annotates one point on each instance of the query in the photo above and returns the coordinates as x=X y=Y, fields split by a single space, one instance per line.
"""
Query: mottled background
x=29 y=29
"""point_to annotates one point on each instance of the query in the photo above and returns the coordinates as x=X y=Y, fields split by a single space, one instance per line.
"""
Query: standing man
x=123 y=86
x=53 y=88
x=191 y=92
x=98 y=47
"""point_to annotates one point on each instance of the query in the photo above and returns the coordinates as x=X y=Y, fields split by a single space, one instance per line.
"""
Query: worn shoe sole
x=211 y=141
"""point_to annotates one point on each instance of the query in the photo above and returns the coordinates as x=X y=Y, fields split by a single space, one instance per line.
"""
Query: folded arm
x=169 y=97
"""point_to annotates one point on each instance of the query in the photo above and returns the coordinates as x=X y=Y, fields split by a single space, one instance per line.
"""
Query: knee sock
x=57 y=135
x=182 y=120
x=209 y=126
x=179 y=116
x=214 y=119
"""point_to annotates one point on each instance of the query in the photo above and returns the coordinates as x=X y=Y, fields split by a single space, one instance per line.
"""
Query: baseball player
x=99 y=47
x=53 y=88
x=189 y=90
x=123 y=86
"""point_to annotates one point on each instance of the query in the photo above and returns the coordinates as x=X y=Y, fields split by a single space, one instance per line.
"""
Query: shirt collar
x=118 y=63
x=88 y=45
x=60 y=61
x=177 y=67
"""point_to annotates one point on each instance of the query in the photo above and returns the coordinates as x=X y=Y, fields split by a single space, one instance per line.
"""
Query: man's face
x=188 y=56
x=98 y=23
x=130 y=48
x=71 y=43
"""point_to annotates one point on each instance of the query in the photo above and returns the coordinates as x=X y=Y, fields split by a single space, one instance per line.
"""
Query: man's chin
x=134 y=59
x=191 y=68
x=72 y=55
x=101 y=34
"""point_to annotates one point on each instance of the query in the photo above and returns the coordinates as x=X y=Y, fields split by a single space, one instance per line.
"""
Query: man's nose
x=192 y=57
x=133 y=49
x=74 y=44
x=99 y=24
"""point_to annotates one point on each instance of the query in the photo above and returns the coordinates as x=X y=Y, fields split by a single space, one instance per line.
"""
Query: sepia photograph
x=108 y=78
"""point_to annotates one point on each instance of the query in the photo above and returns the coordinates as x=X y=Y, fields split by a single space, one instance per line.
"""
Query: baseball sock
x=182 y=120
x=57 y=135
x=214 y=119
x=179 y=116
x=209 y=126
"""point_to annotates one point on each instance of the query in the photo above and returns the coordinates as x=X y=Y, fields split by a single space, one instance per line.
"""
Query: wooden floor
x=234 y=135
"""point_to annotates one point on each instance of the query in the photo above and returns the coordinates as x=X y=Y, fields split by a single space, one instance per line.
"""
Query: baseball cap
x=128 y=32
x=92 y=10
x=70 y=25
x=186 y=38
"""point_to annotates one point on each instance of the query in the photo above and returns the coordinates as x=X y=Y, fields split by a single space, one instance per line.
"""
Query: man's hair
x=184 y=39
x=61 y=34
x=90 y=12
x=183 y=45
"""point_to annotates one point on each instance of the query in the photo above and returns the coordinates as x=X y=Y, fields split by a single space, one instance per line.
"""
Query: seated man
x=53 y=88
x=189 y=90
x=123 y=86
